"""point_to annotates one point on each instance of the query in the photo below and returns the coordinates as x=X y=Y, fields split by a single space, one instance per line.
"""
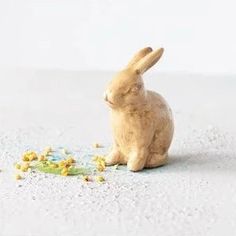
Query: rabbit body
x=142 y=122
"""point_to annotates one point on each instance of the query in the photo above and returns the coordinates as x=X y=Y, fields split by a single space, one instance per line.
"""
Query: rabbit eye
x=136 y=88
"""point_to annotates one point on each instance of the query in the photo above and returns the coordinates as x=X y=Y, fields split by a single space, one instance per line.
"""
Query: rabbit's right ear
x=138 y=56
x=148 y=61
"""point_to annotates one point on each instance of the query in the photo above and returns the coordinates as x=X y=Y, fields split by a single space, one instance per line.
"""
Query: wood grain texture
x=142 y=121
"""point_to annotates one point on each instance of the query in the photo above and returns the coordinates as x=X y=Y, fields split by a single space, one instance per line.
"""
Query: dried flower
x=97 y=145
x=18 y=166
x=18 y=177
x=29 y=156
x=86 y=178
x=64 y=172
x=100 y=179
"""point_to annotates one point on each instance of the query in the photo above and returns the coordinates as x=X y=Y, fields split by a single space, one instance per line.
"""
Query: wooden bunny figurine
x=142 y=121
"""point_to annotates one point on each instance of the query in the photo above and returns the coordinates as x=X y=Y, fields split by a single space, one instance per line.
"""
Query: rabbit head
x=127 y=87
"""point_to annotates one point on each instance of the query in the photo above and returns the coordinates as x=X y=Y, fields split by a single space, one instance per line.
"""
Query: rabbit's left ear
x=148 y=61
x=138 y=56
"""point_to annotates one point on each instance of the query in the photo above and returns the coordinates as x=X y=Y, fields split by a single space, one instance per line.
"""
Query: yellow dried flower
x=86 y=178
x=24 y=168
x=32 y=157
x=98 y=158
x=29 y=156
x=25 y=158
x=65 y=169
x=62 y=163
x=64 y=172
x=18 y=166
x=18 y=177
x=33 y=154
x=100 y=179
x=70 y=160
x=100 y=166
x=97 y=145
x=100 y=163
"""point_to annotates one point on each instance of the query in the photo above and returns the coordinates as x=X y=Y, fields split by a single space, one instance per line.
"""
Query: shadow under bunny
x=198 y=162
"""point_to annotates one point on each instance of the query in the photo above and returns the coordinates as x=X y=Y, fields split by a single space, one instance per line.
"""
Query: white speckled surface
x=193 y=195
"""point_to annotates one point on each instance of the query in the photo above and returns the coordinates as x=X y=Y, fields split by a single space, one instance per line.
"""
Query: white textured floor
x=194 y=195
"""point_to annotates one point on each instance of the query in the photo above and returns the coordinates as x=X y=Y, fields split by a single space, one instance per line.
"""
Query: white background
x=199 y=36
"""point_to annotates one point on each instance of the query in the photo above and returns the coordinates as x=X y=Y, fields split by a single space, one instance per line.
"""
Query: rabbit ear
x=138 y=56
x=148 y=61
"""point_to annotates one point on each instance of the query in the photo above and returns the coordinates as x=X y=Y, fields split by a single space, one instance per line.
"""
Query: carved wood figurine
x=141 y=120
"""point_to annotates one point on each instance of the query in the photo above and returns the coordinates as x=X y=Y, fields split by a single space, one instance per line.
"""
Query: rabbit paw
x=135 y=165
x=112 y=158
x=137 y=159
